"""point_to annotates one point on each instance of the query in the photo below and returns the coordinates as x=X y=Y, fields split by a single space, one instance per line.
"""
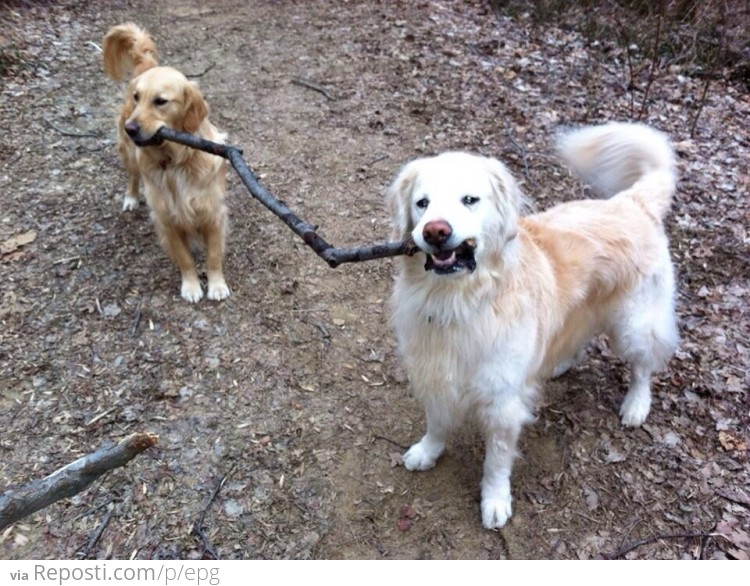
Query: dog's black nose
x=437 y=232
x=132 y=128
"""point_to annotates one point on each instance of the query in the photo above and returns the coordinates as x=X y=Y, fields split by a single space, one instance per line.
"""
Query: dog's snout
x=437 y=232
x=132 y=128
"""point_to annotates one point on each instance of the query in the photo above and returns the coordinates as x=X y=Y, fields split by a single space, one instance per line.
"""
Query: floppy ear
x=196 y=109
x=399 y=201
x=507 y=196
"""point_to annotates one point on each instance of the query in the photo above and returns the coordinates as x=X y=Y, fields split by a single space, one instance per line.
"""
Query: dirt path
x=291 y=389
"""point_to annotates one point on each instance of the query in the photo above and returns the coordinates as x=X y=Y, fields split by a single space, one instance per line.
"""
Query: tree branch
x=71 y=479
x=307 y=232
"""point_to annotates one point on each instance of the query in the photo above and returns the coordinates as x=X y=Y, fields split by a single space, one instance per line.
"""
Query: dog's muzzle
x=445 y=261
x=135 y=132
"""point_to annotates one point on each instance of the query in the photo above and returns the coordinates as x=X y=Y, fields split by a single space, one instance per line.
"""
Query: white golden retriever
x=495 y=303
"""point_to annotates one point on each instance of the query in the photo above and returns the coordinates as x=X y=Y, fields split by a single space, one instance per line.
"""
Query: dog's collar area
x=447 y=262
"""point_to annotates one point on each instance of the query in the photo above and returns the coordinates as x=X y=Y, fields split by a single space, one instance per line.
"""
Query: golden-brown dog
x=495 y=303
x=184 y=187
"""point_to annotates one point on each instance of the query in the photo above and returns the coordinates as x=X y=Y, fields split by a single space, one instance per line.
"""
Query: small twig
x=202 y=73
x=630 y=531
x=100 y=416
x=93 y=44
x=136 y=319
x=320 y=327
x=71 y=479
x=390 y=441
x=636 y=544
x=654 y=59
x=98 y=533
x=198 y=527
x=333 y=256
x=701 y=104
x=377 y=159
x=64 y=261
x=93 y=510
x=313 y=86
x=70 y=133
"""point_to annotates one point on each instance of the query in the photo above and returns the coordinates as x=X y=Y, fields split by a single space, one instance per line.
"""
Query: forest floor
x=282 y=410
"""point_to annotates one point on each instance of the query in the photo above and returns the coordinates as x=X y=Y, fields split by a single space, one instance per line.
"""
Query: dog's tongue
x=444 y=255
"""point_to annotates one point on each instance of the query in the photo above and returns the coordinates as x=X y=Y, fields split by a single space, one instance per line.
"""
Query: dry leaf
x=730 y=442
x=15 y=242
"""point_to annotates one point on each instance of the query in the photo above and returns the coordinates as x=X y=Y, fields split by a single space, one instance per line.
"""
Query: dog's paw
x=191 y=291
x=129 y=203
x=496 y=512
x=420 y=457
x=218 y=290
x=635 y=408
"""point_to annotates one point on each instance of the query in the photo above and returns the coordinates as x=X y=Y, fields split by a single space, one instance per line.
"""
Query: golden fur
x=510 y=301
x=184 y=187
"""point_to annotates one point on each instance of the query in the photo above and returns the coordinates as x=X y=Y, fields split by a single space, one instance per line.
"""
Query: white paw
x=129 y=203
x=496 y=512
x=635 y=409
x=562 y=368
x=420 y=457
x=218 y=290
x=191 y=291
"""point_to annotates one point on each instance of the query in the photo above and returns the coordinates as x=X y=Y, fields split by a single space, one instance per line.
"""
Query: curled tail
x=618 y=157
x=128 y=49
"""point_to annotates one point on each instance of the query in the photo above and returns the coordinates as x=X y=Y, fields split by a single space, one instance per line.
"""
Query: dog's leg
x=637 y=402
x=424 y=454
x=176 y=244
x=566 y=365
x=503 y=423
x=130 y=162
x=646 y=336
x=213 y=236
x=130 y=200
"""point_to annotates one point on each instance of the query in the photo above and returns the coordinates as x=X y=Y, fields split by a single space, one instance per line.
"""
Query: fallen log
x=71 y=479
x=332 y=255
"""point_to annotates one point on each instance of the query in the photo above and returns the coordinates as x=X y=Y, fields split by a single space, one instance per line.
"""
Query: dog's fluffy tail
x=128 y=50
x=616 y=157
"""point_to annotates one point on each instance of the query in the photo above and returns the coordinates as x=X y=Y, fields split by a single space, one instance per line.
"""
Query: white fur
x=479 y=344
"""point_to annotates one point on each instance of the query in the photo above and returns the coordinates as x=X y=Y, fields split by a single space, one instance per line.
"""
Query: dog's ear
x=507 y=195
x=398 y=199
x=128 y=106
x=196 y=108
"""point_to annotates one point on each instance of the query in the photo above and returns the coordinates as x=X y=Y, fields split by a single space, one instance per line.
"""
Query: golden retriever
x=184 y=187
x=494 y=303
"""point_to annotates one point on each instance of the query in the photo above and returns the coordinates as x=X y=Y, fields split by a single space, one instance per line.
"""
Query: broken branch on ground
x=71 y=479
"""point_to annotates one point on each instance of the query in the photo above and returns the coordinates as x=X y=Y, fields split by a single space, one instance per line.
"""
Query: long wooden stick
x=332 y=255
x=70 y=480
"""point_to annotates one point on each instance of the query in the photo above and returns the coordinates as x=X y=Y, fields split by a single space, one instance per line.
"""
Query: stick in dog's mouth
x=445 y=262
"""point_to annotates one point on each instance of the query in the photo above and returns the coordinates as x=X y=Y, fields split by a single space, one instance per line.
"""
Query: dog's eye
x=160 y=101
x=136 y=96
x=423 y=203
x=469 y=200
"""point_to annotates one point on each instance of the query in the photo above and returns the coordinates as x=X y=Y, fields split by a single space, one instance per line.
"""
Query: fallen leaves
x=11 y=249
x=731 y=442
x=736 y=541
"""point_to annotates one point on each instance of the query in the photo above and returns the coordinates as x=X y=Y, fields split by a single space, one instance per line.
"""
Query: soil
x=282 y=410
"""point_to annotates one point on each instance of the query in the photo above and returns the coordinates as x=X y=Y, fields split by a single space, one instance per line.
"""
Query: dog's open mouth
x=446 y=262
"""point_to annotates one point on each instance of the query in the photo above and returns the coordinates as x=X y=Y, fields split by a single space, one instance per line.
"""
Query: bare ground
x=290 y=391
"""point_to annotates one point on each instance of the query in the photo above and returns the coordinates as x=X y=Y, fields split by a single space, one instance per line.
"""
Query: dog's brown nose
x=437 y=232
x=132 y=128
